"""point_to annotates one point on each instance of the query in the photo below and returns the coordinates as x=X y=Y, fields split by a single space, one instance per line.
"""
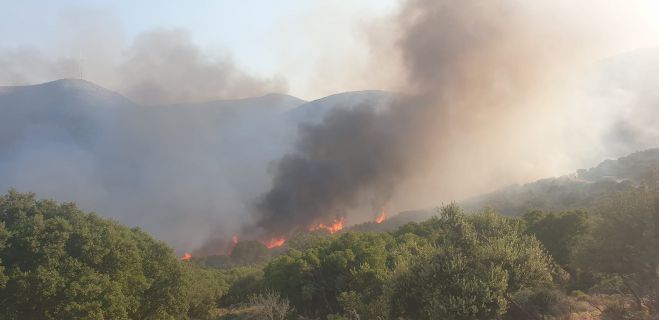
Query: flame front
x=186 y=256
x=381 y=217
x=274 y=242
x=335 y=227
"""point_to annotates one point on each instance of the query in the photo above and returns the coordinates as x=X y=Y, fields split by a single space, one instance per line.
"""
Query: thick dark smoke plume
x=353 y=151
x=483 y=76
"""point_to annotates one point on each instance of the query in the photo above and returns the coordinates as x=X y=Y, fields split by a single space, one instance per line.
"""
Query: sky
x=287 y=38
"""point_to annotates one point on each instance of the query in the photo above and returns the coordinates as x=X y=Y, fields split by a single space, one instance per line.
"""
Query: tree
x=245 y=282
x=561 y=234
x=62 y=263
x=623 y=241
x=204 y=289
x=315 y=278
x=249 y=252
x=478 y=263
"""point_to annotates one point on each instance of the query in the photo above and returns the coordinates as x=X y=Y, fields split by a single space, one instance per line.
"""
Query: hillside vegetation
x=580 y=190
x=60 y=263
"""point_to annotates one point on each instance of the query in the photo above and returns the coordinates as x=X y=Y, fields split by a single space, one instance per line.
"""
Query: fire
x=234 y=239
x=274 y=242
x=381 y=216
x=335 y=227
x=186 y=256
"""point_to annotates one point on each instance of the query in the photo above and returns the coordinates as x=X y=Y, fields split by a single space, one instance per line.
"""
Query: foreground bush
x=61 y=263
x=478 y=264
x=318 y=279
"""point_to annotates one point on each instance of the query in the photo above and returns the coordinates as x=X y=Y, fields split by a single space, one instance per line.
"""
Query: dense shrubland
x=60 y=263
x=57 y=262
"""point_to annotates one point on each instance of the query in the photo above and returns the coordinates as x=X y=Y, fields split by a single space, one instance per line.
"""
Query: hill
x=580 y=190
x=314 y=111
x=180 y=170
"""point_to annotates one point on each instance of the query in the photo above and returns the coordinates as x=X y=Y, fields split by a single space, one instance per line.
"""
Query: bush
x=245 y=282
x=62 y=263
x=478 y=262
x=204 y=288
x=619 y=310
x=579 y=295
x=270 y=306
x=249 y=252
x=561 y=234
x=539 y=302
x=609 y=284
x=315 y=278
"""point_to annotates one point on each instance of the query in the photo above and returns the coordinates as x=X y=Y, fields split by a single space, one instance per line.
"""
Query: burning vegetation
x=337 y=225
x=274 y=242
x=381 y=217
x=186 y=256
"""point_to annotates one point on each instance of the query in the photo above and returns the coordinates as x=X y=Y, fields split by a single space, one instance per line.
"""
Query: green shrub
x=479 y=261
x=62 y=263
x=580 y=295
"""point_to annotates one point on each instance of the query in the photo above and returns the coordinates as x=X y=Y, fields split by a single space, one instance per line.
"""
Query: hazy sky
x=263 y=37
x=318 y=47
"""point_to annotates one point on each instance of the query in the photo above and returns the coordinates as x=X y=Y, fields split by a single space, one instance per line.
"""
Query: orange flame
x=274 y=242
x=335 y=227
x=234 y=239
x=186 y=256
x=381 y=216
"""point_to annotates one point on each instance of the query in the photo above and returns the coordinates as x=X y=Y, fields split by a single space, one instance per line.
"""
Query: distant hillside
x=634 y=167
x=314 y=111
x=177 y=169
x=578 y=190
x=181 y=172
x=72 y=110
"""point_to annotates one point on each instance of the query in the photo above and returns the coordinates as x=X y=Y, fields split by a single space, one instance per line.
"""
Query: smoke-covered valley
x=182 y=172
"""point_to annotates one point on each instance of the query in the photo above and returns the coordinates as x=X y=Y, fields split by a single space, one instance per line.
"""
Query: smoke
x=181 y=172
x=494 y=92
x=24 y=65
x=350 y=152
x=490 y=84
x=164 y=66
x=158 y=67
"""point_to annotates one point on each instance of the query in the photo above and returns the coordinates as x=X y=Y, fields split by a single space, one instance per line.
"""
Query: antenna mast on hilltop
x=79 y=67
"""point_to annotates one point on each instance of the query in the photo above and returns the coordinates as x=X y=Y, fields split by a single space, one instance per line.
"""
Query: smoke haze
x=158 y=67
x=488 y=81
x=164 y=66
x=490 y=93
